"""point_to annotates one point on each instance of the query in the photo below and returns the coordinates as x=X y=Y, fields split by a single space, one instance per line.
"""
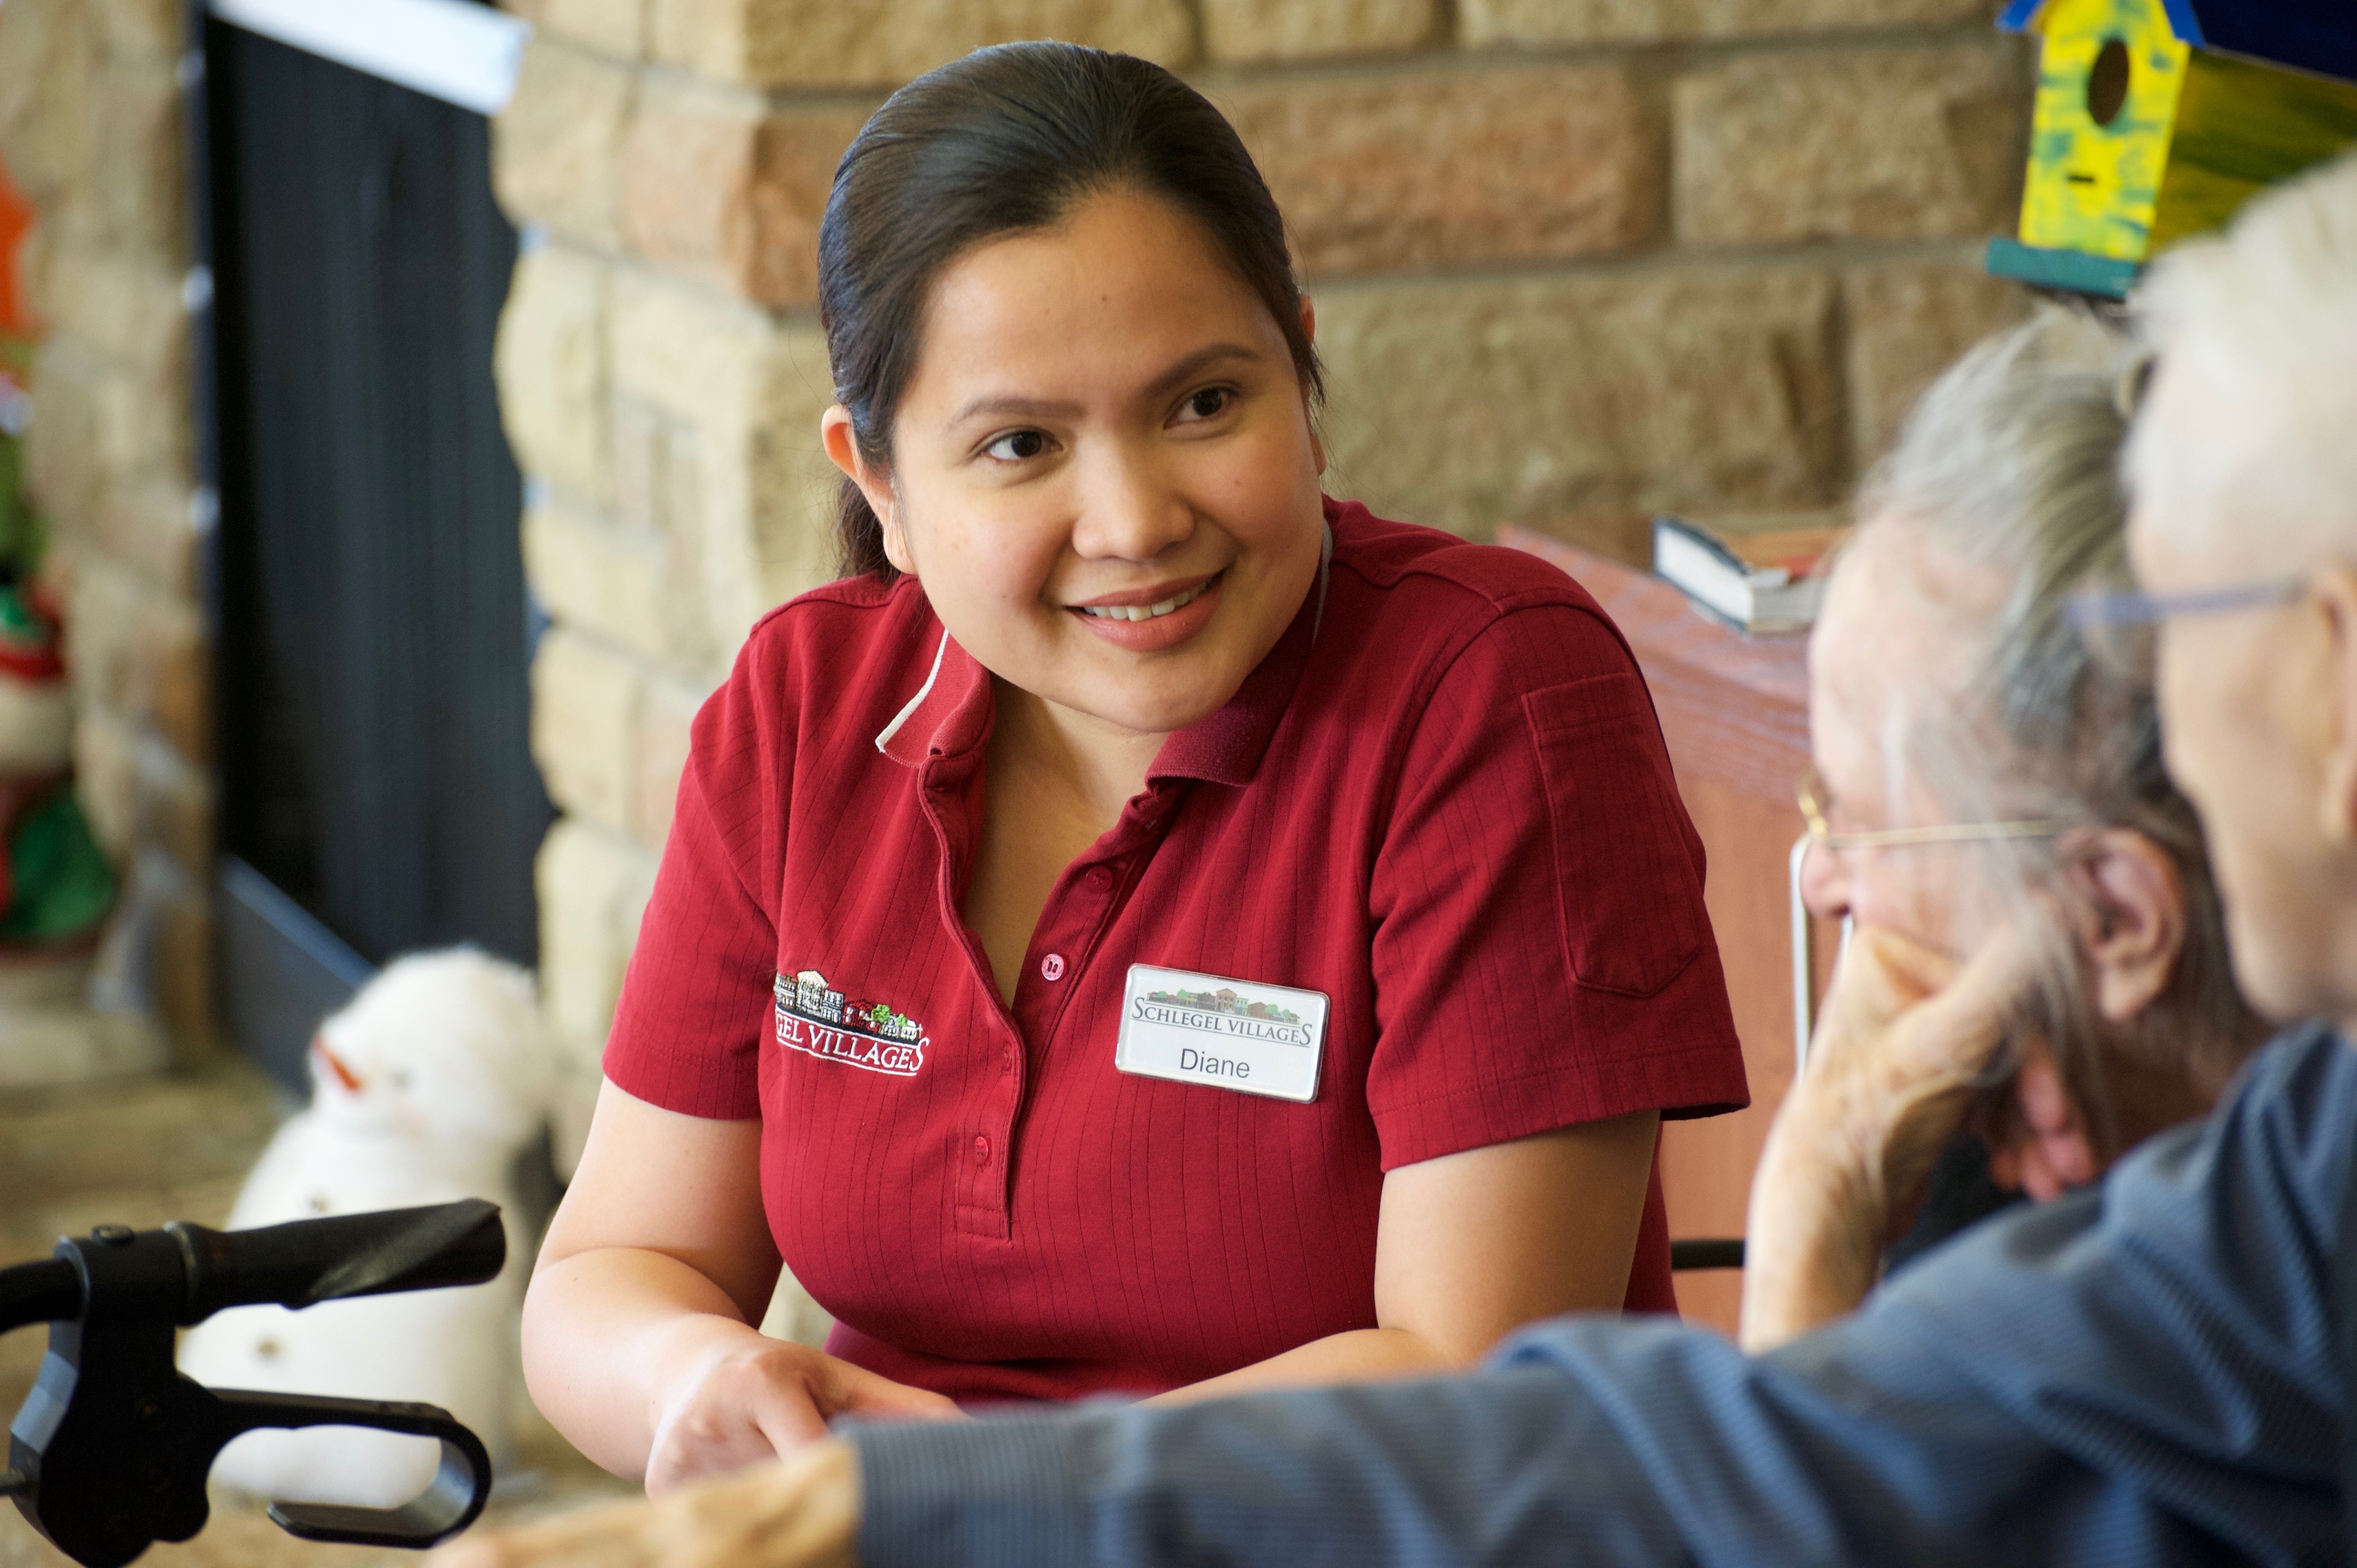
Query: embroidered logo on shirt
x=817 y=1020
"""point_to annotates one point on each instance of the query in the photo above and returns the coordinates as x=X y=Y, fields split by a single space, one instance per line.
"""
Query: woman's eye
x=1016 y=447
x=1208 y=404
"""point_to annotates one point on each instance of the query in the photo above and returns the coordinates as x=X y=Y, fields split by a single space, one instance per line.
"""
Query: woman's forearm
x=1472 y=1245
x=1361 y=1353
x=607 y=1333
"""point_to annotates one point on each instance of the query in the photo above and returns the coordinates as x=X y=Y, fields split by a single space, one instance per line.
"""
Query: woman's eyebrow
x=1196 y=363
x=1012 y=406
x=1008 y=406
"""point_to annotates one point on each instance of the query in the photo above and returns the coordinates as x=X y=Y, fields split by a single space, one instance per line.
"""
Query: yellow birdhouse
x=2156 y=119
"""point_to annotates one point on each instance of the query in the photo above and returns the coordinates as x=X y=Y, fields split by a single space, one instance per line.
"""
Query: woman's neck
x=1057 y=783
x=1097 y=765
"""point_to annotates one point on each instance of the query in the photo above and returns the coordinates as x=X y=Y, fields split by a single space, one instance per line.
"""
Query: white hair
x=2256 y=337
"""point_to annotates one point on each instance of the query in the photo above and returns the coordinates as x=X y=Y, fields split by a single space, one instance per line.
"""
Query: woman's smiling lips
x=1144 y=620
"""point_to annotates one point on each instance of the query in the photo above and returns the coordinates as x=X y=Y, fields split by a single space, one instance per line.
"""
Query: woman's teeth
x=1147 y=612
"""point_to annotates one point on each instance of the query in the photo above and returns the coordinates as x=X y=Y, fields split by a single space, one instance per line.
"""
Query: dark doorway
x=377 y=791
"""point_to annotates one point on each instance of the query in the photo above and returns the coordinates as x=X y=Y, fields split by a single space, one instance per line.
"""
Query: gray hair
x=2263 y=320
x=2008 y=469
x=2009 y=462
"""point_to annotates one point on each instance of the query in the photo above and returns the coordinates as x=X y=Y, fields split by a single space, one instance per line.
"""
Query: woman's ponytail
x=858 y=535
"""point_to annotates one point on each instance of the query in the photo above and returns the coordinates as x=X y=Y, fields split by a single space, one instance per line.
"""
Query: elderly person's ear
x=2336 y=596
x=2125 y=902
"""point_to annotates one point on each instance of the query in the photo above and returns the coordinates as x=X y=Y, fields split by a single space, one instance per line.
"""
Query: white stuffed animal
x=426 y=1088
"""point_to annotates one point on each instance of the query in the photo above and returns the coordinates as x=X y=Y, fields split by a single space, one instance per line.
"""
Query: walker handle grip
x=309 y=1261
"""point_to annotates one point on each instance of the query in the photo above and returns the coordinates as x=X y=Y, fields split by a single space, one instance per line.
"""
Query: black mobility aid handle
x=111 y=1450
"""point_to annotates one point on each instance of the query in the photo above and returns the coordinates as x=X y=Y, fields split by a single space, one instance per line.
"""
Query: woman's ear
x=842 y=444
x=2128 y=906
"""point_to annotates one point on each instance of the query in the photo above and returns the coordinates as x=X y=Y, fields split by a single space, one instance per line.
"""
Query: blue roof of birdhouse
x=2306 y=34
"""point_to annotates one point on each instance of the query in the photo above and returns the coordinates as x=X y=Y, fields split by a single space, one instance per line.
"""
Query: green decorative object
x=59 y=884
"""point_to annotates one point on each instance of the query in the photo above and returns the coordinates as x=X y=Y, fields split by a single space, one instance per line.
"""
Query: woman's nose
x=1824 y=883
x=1129 y=511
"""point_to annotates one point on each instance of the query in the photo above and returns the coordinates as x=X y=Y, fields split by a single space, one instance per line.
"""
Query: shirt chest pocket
x=1628 y=867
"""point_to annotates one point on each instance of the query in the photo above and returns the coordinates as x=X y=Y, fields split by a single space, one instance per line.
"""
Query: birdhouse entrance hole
x=2107 y=83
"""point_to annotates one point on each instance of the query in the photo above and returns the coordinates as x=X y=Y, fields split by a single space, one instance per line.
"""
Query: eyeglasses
x=2129 y=607
x=1822 y=832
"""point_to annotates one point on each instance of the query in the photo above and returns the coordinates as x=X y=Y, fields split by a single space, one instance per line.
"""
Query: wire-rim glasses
x=1812 y=786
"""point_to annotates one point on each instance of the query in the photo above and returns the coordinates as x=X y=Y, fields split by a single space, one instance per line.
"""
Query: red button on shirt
x=1442 y=800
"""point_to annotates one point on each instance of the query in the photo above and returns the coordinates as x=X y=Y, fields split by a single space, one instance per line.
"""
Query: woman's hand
x=1907 y=1042
x=802 y=1512
x=738 y=1397
x=639 y=1341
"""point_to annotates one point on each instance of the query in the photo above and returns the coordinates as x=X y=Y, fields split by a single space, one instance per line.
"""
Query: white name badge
x=1229 y=1034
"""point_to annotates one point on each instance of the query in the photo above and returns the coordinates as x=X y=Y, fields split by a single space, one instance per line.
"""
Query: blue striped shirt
x=2144 y=1372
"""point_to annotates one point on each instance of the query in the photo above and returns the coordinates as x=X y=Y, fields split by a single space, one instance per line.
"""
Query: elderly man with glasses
x=2150 y=1372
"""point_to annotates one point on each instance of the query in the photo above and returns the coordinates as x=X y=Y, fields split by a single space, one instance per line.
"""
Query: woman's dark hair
x=1007 y=141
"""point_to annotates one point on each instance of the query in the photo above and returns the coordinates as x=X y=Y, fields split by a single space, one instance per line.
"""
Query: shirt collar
x=1226 y=746
x=951 y=712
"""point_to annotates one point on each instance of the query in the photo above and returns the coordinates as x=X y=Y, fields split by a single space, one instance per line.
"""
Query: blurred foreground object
x=2157 y=119
x=427 y=1087
x=110 y=1451
x=55 y=886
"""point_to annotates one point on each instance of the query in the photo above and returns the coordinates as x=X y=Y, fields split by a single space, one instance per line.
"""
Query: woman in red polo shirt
x=1149 y=928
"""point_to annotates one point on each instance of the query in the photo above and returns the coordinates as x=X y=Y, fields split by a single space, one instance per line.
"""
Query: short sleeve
x=1542 y=955
x=696 y=999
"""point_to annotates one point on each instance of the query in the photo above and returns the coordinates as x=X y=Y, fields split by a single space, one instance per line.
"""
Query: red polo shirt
x=1442 y=800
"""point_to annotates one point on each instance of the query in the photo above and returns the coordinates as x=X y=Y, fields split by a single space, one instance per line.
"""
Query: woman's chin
x=1159 y=707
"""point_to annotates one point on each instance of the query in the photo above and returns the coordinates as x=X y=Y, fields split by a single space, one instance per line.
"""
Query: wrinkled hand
x=1906 y=1041
x=800 y=1512
x=746 y=1399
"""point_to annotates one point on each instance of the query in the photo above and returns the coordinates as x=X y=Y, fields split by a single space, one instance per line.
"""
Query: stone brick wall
x=90 y=126
x=1574 y=261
